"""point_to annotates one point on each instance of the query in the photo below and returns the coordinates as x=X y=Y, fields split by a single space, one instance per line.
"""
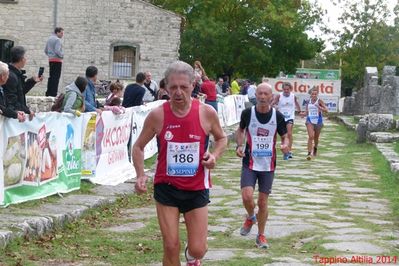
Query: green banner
x=309 y=73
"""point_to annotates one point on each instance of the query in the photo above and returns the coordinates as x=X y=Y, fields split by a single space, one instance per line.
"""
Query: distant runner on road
x=287 y=103
x=314 y=121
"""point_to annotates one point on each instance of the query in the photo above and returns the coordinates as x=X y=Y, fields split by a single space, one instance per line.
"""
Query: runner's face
x=263 y=96
x=314 y=94
x=287 y=90
x=179 y=88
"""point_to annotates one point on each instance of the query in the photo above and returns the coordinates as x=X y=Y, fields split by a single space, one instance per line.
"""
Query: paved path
x=317 y=208
x=327 y=207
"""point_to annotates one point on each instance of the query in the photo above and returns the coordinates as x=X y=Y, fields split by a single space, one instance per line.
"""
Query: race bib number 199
x=262 y=146
x=182 y=158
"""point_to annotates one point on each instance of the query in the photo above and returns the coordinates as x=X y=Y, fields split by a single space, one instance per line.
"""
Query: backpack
x=57 y=106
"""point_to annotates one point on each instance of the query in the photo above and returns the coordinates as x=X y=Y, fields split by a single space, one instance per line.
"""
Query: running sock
x=190 y=258
x=253 y=217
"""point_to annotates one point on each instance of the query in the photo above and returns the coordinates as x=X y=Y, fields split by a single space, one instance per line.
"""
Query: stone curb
x=39 y=220
x=42 y=219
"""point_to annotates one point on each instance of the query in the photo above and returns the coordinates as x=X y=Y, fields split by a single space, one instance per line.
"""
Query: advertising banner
x=329 y=90
x=89 y=161
x=310 y=73
x=112 y=136
x=41 y=157
x=138 y=117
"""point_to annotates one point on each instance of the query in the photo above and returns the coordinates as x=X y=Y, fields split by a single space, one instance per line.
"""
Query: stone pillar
x=396 y=91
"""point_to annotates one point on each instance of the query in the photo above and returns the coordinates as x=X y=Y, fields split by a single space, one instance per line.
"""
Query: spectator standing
x=235 y=88
x=197 y=85
x=90 y=92
x=74 y=102
x=134 y=93
x=251 y=93
x=113 y=101
x=17 y=86
x=116 y=89
x=55 y=53
x=4 y=110
x=208 y=88
x=226 y=85
x=162 y=92
x=199 y=70
x=219 y=88
x=245 y=86
x=151 y=88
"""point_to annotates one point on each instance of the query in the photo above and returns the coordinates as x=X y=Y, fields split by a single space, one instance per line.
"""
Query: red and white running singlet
x=261 y=140
x=181 y=145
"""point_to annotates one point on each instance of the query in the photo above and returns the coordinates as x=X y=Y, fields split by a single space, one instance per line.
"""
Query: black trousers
x=54 y=78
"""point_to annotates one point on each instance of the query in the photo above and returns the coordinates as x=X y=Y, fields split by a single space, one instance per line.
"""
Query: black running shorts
x=184 y=200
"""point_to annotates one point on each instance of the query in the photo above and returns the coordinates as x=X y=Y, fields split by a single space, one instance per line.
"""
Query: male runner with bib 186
x=182 y=127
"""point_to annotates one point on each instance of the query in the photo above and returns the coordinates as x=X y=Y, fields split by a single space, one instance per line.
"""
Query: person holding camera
x=17 y=86
x=55 y=55
x=4 y=110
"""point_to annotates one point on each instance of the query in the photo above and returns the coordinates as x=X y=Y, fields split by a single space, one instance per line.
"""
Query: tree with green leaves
x=366 y=40
x=247 y=38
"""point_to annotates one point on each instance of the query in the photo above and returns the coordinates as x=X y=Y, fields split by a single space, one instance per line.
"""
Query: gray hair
x=314 y=88
x=179 y=67
x=3 y=68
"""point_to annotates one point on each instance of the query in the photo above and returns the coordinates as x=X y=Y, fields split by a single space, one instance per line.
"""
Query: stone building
x=120 y=37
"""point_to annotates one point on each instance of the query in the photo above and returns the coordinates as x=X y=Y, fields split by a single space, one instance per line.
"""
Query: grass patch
x=396 y=147
x=389 y=185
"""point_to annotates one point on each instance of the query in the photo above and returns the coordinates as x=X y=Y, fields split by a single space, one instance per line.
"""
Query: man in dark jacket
x=4 y=110
x=134 y=93
x=16 y=86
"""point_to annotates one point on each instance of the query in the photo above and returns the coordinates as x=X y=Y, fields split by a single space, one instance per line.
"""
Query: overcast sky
x=335 y=11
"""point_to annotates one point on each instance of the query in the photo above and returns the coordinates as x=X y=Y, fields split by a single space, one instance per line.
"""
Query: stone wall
x=375 y=98
x=91 y=28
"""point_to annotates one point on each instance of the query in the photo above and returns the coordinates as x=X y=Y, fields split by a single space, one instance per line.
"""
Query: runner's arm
x=323 y=106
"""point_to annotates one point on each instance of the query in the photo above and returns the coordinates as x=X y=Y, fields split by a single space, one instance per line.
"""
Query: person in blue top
x=90 y=92
x=314 y=121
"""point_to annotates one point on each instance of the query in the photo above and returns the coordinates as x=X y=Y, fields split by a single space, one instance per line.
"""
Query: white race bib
x=262 y=146
x=182 y=159
x=313 y=115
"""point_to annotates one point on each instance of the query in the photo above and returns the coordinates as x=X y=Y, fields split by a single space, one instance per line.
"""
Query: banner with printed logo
x=138 y=117
x=329 y=90
x=112 y=136
x=40 y=157
x=89 y=160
